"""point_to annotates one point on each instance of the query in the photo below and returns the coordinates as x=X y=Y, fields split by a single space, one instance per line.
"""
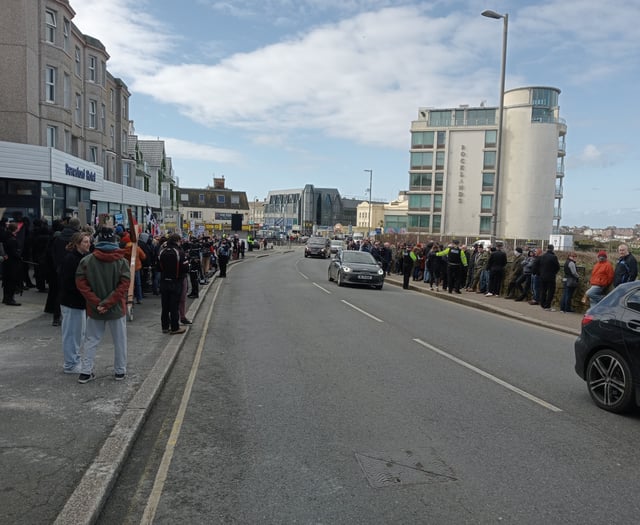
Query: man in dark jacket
x=11 y=267
x=58 y=253
x=496 y=264
x=174 y=267
x=626 y=269
x=549 y=267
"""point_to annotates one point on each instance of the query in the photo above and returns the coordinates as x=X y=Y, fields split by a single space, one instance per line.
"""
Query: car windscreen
x=358 y=257
x=317 y=242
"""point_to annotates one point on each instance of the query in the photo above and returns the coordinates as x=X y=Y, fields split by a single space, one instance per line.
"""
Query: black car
x=317 y=247
x=608 y=349
x=354 y=267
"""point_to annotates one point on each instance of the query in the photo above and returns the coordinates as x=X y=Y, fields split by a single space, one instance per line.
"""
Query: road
x=296 y=401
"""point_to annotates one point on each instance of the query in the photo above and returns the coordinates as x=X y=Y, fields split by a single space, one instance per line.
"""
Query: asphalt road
x=309 y=403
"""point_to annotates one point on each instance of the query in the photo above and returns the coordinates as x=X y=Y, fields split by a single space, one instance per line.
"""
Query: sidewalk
x=523 y=311
x=62 y=444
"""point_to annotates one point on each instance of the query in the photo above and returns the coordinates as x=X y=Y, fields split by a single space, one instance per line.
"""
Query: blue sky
x=276 y=94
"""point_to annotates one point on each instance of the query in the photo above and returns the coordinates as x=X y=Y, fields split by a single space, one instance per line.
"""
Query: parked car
x=354 y=267
x=608 y=349
x=336 y=245
x=317 y=247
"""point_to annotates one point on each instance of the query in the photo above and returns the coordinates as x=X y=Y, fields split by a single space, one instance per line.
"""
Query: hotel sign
x=80 y=173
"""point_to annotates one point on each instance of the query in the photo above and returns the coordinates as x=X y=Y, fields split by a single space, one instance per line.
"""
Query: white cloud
x=182 y=149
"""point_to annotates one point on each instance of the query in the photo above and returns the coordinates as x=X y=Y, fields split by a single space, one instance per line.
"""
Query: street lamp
x=505 y=18
x=370 y=172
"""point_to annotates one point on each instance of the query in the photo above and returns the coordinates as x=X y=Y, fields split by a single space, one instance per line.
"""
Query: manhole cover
x=404 y=468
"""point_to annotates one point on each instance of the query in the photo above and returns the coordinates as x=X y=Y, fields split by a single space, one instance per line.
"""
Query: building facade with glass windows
x=64 y=120
x=453 y=189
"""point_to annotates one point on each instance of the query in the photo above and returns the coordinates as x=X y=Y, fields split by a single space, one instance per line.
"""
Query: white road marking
x=493 y=378
x=322 y=288
x=163 y=469
x=363 y=312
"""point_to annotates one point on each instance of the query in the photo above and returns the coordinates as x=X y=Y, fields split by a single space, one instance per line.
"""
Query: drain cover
x=403 y=468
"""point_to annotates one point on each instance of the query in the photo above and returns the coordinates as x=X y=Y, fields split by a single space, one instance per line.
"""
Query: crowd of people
x=86 y=274
x=530 y=276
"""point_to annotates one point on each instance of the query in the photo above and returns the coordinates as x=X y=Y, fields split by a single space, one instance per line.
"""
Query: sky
x=276 y=94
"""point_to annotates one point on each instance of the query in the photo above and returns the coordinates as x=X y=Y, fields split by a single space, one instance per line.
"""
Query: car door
x=630 y=324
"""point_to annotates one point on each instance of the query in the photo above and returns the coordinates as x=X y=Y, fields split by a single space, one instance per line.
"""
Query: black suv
x=317 y=247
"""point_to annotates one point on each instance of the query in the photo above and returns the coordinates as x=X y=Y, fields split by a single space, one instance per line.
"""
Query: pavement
x=62 y=444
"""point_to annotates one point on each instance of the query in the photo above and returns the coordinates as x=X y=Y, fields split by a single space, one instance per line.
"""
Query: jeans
x=567 y=296
x=595 y=294
x=535 y=287
x=95 y=331
x=74 y=324
x=137 y=287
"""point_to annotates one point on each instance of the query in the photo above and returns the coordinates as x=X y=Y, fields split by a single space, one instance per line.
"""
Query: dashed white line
x=363 y=312
x=321 y=288
x=493 y=378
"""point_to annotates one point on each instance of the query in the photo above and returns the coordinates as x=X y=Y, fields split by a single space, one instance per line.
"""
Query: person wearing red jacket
x=601 y=279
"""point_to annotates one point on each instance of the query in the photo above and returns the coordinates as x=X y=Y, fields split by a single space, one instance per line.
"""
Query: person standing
x=103 y=279
x=570 y=280
x=408 y=259
x=11 y=267
x=496 y=264
x=515 y=274
x=223 y=257
x=627 y=267
x=59 y=252
x=72 y=303
x=601 y=278
x=174 y=267
x=549 y=268
x=456 y=260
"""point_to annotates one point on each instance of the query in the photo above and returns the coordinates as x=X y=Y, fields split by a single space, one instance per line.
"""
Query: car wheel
x=340 y=282
x=609 y=381
x=330 y=278
x=306 y=255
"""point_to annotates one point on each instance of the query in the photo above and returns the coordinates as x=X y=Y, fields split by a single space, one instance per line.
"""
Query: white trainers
x=489 y=294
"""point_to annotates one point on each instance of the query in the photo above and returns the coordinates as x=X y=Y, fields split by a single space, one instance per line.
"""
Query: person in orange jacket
x=601 y=279
x=127 y=246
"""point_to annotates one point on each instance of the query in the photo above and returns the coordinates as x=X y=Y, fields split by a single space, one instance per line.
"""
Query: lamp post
x=370 y=172
x=505 y=19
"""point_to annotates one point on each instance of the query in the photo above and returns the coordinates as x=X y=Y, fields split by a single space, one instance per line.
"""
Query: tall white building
x=454 y=189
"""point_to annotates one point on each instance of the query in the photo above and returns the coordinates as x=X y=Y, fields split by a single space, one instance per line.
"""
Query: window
x=440 y=160
x=92 y=68
x=52 y=136
x=112 y=100
x=486 y=203
x=112 y=137
x=481 y=117
x=78 y=111
x=93 y=154
x=419 y=221
x=487 y=181
x=544 y=97
x=420 y=202
x=123 y=145
x=437 y=202
x=50 y=84
x=440 y=118
x=485 y=224
x=439 y=182
x=489 y=160
x=422 y=161
x=66 y=88
x=633 y=302
x=437 y=219
x=103 y=72
x=422 y=139
x=442 y=139
x=220 y=199
x=195 y=215
x=421 y=181
x=126 y=173
x=490 y=138
x=78 y=62
x=124 y=108
x=103 y=118
x=67 y=141
x=65 y=34
x=93 y=108
x=50 y=31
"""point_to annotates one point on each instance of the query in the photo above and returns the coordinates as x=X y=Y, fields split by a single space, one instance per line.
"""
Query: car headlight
x=346 y=269
x=380 y=271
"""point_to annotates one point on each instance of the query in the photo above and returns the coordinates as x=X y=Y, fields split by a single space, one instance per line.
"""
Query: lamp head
x=492 y=14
